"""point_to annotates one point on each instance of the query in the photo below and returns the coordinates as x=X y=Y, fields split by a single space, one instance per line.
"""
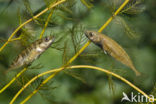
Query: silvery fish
x=31 y=53
x=112 y=48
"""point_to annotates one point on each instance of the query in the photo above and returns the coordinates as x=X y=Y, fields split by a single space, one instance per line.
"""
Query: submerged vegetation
x=52 y=78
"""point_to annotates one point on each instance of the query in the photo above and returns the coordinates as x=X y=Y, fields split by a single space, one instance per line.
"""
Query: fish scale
x=112 y=48
x=31 y=53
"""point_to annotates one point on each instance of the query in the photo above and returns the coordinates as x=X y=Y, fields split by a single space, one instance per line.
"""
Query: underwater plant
x=69 y=21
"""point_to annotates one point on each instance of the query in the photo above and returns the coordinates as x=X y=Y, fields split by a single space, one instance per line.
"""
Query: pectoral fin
x=105 y=52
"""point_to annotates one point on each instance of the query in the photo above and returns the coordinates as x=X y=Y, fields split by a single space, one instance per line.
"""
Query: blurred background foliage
x=133 y=29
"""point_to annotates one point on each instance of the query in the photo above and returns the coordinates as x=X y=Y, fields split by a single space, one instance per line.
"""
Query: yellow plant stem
x=35 y=91
x=10 y=39
x=85 y=3
x=6 y=86
x=46 y=23
x=33 y=79
x=87 y=44
x=15 y=39
x=36 y=16
x=70 y=67
x=111 y=18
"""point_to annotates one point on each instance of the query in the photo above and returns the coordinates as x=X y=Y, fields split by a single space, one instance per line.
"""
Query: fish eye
x=46 y=39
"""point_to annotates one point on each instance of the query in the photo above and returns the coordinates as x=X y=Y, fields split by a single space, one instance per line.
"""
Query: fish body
x=112 y=48
x=31 y=53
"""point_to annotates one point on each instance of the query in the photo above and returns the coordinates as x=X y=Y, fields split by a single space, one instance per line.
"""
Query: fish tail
x=136 y=72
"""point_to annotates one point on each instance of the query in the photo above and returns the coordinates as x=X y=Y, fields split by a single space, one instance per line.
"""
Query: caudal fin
x=136 y=72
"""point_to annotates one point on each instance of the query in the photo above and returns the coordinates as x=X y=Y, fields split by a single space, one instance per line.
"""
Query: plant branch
x=46 y=23
x=13 y=79
x=111 y=18
x=10 y=38
x=87 y=44
x=33 y=79
x=87 y=5
x=15 y=39
x=70 y=67
x=36 y=16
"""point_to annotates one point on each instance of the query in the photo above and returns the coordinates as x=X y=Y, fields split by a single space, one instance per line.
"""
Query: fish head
x=93 y=36
x=47 y=41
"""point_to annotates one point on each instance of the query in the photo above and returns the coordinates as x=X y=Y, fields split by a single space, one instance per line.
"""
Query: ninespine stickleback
x=111 y=47
x=31 y=53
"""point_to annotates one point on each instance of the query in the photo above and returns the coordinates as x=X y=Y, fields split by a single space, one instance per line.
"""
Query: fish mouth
x=52 y=38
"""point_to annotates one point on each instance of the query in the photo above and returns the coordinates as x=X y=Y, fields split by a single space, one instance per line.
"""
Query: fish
x=32 y=52
x=111 y=47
